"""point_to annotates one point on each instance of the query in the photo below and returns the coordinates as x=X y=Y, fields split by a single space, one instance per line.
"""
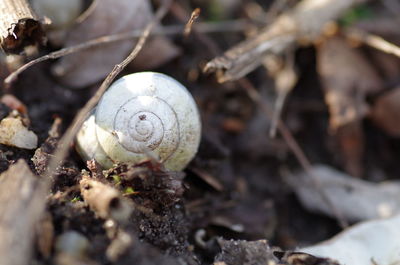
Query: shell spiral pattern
x=142 y=114
x=143 y=122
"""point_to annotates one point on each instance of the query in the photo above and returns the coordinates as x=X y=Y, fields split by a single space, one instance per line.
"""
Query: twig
x=189 y=24
x=285 y=80
x=69 y=135
x=208 y=178
x=19 y=26
x=373 y=41
x=225 y=26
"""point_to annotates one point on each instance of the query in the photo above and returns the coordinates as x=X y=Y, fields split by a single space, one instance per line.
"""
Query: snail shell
x=141 y=115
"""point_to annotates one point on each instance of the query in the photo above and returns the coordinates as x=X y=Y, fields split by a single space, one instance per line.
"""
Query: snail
x=142 y=115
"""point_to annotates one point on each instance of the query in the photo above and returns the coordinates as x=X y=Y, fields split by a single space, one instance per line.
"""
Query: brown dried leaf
x=386 y=112
x=346 y=77
x=108 y=17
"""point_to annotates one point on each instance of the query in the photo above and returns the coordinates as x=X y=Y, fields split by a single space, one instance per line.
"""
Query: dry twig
x=167 y=30
x=374 y=41
x=189 y=24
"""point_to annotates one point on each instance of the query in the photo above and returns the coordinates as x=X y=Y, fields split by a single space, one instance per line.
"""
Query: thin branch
x=69 y=135
x=374 y=41
x=285 y=80
x=226 y=26
x=189 y=24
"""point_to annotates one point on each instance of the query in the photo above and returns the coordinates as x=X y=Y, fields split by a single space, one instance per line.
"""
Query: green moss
x=361 y=12
x=76 y=199
x=117 y=179
x=129 y=190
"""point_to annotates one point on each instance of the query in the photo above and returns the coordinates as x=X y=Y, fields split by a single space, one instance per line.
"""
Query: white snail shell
x=141 y=115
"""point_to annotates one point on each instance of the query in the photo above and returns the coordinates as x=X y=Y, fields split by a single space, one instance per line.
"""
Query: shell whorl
x=144 y=123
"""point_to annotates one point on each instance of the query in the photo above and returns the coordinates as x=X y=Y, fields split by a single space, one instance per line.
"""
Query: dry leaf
x=107 y=17
x=386 y=112
x=346 y=77
x=355 y=199
x=374 y=242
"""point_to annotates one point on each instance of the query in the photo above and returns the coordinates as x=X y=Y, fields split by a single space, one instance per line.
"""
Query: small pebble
x=14 y=133
x=73 y=243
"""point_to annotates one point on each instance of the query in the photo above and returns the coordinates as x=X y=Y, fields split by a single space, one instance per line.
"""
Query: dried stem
x=374 y=41
x=70 y=134
x=19 y=26
x=237 y=25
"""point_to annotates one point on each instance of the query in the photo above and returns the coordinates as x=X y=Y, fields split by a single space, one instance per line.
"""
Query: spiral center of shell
x=146 y=127
x=145 y=123
x=143 y=127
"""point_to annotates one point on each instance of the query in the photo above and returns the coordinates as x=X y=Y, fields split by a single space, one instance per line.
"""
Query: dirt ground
x=235 y=187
